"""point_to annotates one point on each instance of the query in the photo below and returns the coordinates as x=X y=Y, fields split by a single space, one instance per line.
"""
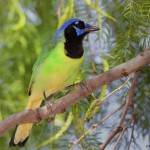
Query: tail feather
x=20 y=144
x=22 y=132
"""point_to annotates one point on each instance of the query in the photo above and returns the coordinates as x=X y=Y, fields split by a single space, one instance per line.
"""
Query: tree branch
x=127 y=104
x=82 y=90
x=95 y=126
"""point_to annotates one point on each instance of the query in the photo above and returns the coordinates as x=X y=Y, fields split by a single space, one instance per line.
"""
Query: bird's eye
x=79 y=24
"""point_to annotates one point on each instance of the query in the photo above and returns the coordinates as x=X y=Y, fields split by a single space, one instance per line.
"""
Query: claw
x=49 y=103
x=70 y=87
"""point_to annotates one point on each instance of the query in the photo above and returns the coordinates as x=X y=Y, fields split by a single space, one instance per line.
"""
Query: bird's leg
x=76 y=84
x=49 y=102
x=71 y=86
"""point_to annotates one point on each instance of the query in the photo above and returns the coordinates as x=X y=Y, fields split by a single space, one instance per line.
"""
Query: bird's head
x=75 y=29
x=72 y=32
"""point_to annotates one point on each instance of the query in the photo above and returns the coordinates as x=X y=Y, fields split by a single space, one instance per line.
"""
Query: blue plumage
x=66 y=24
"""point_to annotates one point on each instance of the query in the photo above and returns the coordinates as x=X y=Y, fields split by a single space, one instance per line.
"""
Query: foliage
x=26 y=26
x=133 y=36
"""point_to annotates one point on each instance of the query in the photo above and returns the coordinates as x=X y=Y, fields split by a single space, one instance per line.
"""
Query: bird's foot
x=70 y=87
x=83 y=83
x=49 y=103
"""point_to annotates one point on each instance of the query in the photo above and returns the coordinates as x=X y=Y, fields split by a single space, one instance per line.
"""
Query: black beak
x=91 y=28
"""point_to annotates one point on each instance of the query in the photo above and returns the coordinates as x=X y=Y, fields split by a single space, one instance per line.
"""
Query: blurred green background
x=27 y=26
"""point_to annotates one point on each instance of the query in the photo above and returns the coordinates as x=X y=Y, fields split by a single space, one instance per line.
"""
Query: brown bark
x=82 y=90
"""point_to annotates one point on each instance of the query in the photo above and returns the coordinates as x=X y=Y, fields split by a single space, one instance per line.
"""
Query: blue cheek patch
x=79 y=31
x=87 y=25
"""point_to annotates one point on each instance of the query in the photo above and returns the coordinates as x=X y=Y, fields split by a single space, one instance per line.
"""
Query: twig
x=124 y=129
x=129 y=97
x=128 y=100
x=131 y=136
x=94 y=127
x=134 y=117
x=129 y=103
x=82 y=90
x=111 y=136
x=99 y=102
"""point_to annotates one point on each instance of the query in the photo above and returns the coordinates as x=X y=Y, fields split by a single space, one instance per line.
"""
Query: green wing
x=41 y=58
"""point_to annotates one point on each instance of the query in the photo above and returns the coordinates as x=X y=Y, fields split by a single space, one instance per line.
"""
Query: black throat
x=73 y=43
x=74 y=49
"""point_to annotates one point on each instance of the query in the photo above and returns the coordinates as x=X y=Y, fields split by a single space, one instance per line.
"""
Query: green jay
x=57 y=67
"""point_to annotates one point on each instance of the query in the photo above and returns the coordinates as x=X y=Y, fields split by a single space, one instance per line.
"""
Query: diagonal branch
x=95 y=126
x=120 y=127
x=82 y=90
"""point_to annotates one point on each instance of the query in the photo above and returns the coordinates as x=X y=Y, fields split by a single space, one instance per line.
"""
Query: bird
x=56 y=67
